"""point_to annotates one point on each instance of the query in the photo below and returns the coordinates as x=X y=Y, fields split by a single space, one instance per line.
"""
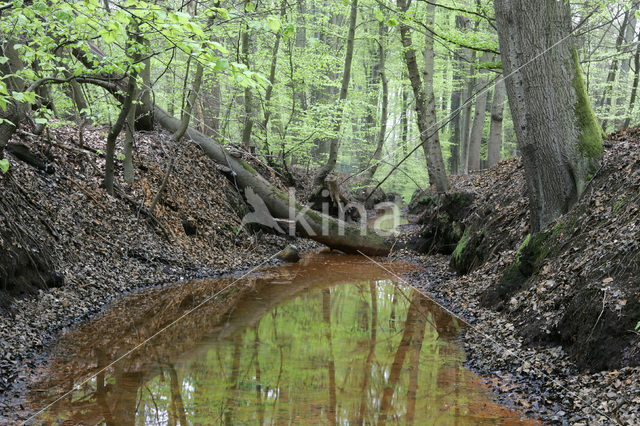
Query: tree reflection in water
x=331 y=340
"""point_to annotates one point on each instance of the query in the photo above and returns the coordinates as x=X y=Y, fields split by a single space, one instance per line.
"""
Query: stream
x=330 y=340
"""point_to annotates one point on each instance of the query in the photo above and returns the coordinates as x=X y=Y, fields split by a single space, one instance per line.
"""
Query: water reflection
x=329 y=341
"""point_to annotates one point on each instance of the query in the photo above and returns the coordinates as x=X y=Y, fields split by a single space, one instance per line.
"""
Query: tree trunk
x=425 y=108
x=127 y=164
x=466 y=114
x=605 y=100
x=115 y=131
x=404 y=121
x=477 y=129
x=301 y=42
x=78 y=98
x=634 y=89
x=144 y=110
x=346 y=77
x=382 y=131
x=248 y=97
x=272 y=80
x=456 y=101
x=625 y=67
x=211 y=107
x=377 y=155
x=495 y=133
x=14 y=112
x=557 y=131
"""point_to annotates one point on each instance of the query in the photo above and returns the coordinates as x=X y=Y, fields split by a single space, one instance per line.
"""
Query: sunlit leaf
x=4 y=165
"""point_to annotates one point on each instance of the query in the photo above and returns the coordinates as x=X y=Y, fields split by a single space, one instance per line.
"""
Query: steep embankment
x=60 y=232
x=577 y=284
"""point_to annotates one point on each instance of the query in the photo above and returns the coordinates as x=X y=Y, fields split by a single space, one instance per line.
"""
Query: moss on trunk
x=591 y=134
x=529 y=258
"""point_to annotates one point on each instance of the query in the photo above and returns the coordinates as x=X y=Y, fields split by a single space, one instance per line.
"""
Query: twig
x=83 y=189
x=604 y=299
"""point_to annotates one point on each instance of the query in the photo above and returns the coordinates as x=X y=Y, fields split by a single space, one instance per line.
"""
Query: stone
x=289 y=254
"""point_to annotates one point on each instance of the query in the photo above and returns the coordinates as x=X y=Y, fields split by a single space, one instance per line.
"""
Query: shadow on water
x=330 y=340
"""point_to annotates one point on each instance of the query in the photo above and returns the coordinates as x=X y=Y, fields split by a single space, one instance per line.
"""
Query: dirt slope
x=61 y=235
x=576 y=284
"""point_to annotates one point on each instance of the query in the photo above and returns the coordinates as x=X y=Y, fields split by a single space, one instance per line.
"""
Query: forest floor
x=553 y=318
x=103 y=246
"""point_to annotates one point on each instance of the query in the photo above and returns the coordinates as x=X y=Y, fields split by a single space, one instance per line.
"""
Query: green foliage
x=308 y=67
x=4 y=165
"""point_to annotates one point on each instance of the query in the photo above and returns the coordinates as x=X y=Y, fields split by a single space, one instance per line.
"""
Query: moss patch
x=618 y=205
x=532 y=253
x=248 y=168
x=470 y=251
x=462 y=244
x=591 y=134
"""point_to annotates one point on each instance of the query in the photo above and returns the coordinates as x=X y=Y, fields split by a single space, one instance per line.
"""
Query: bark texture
x=346 y=77
x=425 y=109
x=475 y=138
x=605 y=100
x=248 y=96
x=382 y=131
x=495 y=132
x=144 y=110
x=115 y=131
x=14 y=111
x=558 y=134
x=634 y=90
x=456 y=99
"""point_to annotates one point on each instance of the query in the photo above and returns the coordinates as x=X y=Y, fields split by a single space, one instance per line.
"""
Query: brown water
x=331 y=340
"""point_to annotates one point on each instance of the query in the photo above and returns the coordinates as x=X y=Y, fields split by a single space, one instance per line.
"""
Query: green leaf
x=222 y=64
x=273 y=23
x=379 y=15
x=4 y=165
x=29 y=97
x=217 y=46
x=108 y=36
x=392 y=22
x=41 y=120
x=3 y=60
x=249 y=7
x=289 y=31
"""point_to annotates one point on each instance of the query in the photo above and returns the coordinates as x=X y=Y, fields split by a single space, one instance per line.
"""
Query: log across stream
x=331 y=340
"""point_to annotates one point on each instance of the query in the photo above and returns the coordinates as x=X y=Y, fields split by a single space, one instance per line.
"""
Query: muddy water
x=331 y=340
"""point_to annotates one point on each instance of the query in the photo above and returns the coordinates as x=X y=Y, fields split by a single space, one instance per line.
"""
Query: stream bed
x=332 y=339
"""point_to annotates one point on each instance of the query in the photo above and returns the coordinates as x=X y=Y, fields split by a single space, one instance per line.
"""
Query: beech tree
x=557 y=131
x=272 y=79
x=425 y=108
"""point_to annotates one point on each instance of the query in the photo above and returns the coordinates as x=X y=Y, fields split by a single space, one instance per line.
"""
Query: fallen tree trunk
x=332 y=232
